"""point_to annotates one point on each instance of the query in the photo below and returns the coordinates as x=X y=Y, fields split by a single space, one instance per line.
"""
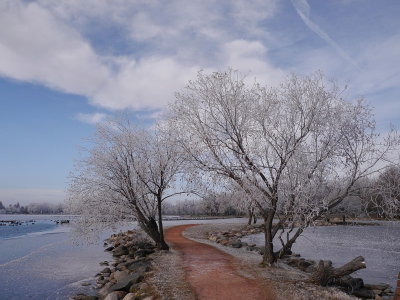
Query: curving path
x=211 y=272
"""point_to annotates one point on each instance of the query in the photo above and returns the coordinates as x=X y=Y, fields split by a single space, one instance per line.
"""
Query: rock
x=117 y=295
x=111 y=248
x=139 y=265
x=85 y=283
x=143 y=252
x=104 y=263
x=377 y=292
x=236 y=244
x=119 y=275
x=144 y=245
x=106 y=271
x=125 y=283
x=304 y=264
x=377 y=286
x=129 y=296
x=364 y=293
x=224 y=242
x=120 y=250
x=149 y=298
x=143 y=286
x=105 y=290
x=134 y=288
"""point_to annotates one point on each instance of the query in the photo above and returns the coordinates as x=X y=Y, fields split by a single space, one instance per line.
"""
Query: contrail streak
x=303 y=10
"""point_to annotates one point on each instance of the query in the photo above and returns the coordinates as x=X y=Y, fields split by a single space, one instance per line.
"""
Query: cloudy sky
x=67 y=64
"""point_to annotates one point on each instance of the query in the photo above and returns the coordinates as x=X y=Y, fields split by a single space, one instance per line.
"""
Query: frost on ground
x=169 y=277
x=287 y=282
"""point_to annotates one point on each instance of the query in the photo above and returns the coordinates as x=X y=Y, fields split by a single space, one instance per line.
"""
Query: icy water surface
x=379 y=245
x=39 y=261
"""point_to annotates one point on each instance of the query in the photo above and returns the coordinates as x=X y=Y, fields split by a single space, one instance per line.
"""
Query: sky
x=66 y=65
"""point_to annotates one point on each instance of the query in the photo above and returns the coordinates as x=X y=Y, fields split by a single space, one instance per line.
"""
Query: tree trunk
x=268 y=256
x=326 y=274
x=250 y=217
x=287 y=248
x=162 y=245
x=149 y=225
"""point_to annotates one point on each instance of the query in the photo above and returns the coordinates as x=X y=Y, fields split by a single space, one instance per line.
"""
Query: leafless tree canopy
x=127 y=174
x=297 y=150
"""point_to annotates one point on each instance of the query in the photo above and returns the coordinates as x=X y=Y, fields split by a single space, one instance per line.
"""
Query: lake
x=40 y=261
x=379 y=245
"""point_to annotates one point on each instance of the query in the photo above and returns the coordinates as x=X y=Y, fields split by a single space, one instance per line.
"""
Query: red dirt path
x=211 y=272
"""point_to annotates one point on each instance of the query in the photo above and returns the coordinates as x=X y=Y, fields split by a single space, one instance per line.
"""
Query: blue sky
x=67 y=64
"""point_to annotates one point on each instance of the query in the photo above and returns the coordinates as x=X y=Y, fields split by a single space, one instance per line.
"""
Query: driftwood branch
x=326 y=274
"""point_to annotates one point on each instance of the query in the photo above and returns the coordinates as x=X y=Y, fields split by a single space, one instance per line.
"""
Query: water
x=39 y=261
x=379 y=245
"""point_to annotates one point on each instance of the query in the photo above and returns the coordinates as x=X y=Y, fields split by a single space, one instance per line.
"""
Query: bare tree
x=127 y=175
x=382 y=195
x=297 y=150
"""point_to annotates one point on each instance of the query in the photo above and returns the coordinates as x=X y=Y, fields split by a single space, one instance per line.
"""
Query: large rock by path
x=120 y=250
x=117 y=295
x=142 y=265
x=125 y=283
x=130 y=296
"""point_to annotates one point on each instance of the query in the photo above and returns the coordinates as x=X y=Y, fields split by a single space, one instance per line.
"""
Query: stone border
x=124 y=278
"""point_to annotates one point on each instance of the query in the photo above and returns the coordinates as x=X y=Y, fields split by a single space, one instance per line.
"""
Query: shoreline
x=159 y=282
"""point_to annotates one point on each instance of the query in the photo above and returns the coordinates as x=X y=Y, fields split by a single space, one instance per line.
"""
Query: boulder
x=381 y=287
x=105 y=290
x=120 y=250
x=85 y=283
x=304 y=264
x=142 y=264
x=143 y=252
x=119 y=275
x=236 y=244
x=117 y=295
x=144 y=245
x=106 y=271
x=129 y=296
x=125 y=283
x=224 y=242
x=111 y=248
x=364 y=293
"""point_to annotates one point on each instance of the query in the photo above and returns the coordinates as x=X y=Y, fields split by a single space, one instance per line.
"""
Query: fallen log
x=325 y=274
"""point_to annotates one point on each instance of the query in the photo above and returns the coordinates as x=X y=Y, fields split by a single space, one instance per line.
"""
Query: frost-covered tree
x=381 y=198
x=126 y=175
x=297 y=150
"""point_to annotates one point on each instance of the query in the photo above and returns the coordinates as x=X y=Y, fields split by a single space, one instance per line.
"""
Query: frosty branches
x=127 y=174
x=297 y=150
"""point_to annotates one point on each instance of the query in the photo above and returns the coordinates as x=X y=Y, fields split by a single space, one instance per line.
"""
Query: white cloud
x=250 y=57
x=26 y=196
x=91 y=118
x=51 y=43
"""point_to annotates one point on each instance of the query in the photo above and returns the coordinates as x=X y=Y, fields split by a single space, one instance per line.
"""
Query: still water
x=38 y=260
x=379 y=245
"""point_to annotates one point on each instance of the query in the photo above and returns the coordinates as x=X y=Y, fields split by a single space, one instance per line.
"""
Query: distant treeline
x=33 y=208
